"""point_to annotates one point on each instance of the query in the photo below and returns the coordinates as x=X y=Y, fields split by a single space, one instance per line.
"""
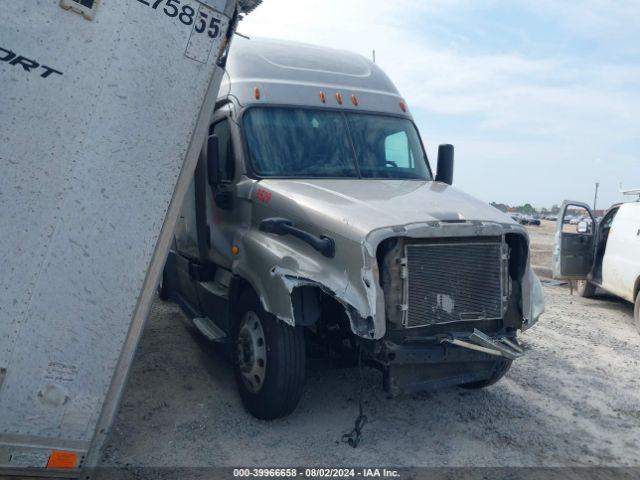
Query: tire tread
x=501 y=367
x=587 y=290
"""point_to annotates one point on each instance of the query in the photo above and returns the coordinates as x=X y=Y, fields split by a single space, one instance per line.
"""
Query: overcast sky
x=541 y=98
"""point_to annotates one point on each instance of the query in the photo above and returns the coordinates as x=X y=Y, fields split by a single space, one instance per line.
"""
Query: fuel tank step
x=209 y=329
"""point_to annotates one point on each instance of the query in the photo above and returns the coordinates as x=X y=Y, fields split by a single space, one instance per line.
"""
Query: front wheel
x=585 y=288
x=269 y=361
x=500 y=368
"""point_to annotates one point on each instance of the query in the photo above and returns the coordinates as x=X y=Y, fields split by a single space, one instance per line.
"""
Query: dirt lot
x=573 y=400
x=542 y=239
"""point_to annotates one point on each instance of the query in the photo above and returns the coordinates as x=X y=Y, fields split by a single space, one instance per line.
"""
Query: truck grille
x=453 y=282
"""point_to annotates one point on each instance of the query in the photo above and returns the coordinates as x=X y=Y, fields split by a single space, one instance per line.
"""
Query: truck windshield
x=295 y=142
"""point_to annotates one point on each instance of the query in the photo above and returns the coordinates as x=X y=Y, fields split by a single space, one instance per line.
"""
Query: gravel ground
x=542 y=239
x=573 y=400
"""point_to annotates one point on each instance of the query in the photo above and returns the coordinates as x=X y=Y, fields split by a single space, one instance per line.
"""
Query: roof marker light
x=256 y=93
x=339 y=98
x=403 y=107
x=323 y=97
x=354 y=100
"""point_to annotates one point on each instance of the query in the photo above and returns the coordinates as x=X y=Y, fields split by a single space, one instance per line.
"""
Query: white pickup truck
x=605 y=256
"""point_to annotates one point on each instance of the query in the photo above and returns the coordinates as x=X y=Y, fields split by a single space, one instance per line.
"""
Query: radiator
x=453 y=282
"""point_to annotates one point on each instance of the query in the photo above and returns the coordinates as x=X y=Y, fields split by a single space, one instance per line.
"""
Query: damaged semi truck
x=314 y=216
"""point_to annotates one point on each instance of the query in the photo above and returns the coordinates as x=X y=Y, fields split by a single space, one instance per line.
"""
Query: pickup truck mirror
x=213 y=170
x=445 y=164
x=583 y=227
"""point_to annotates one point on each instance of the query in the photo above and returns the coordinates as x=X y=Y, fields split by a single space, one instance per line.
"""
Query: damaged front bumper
x=479 y=342
x=443 y=361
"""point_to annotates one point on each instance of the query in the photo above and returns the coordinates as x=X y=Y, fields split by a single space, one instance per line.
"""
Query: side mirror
x=583 y=227
x=445 y=164
x=213 y=171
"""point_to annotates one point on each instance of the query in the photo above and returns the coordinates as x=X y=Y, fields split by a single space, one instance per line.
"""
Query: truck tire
x=585 y=288
x=269 y=360
x=500 y=368
x=636 y=312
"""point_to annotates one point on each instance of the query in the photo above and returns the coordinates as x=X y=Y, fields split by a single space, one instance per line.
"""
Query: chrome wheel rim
x=252 y=352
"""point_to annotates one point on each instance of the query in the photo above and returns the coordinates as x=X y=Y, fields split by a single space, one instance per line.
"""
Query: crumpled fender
x=276 y=265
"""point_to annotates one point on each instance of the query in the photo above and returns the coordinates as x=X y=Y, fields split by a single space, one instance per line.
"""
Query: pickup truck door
x=621 y=263
x=573 y=251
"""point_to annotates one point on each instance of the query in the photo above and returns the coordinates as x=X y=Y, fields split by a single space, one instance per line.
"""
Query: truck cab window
x=397 y=150
x=577 y=221
x=387 y=147
x=313 y=143
x=287 y=142
x=607 y=221
x=225 y=144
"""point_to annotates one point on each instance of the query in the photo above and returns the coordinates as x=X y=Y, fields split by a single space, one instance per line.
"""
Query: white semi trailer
x=104 y=106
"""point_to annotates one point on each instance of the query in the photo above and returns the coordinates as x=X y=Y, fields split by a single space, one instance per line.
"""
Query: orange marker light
x=339 y=98
x=62 y=460
x=256 y=93
x=403 y=106
x=354 y=100
x=235 y=250
x=323 y=97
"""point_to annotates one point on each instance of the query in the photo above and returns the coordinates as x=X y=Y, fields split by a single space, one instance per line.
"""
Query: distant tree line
x=526 y=209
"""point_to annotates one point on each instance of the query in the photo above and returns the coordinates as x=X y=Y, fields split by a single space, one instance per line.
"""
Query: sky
x=540 y=98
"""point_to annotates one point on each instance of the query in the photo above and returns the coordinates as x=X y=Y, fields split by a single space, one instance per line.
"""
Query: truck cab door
x=573 y=251
x=223 y=213
x=186 y=250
